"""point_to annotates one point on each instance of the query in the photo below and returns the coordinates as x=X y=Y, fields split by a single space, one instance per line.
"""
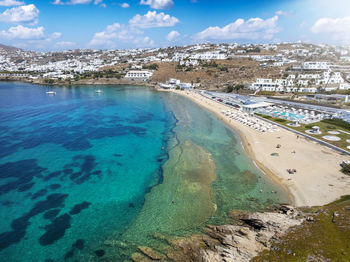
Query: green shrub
x=280 y=120
x=337 y=122
x=346 y=170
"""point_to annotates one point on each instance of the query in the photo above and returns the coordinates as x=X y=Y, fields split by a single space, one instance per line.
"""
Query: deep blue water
x=75 y=166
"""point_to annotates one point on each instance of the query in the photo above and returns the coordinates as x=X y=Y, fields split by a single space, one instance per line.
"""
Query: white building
x=174 y=81
x=315 y=66
x=344 y=86
x=329 y=77
x=133 y=74
x=264 y=84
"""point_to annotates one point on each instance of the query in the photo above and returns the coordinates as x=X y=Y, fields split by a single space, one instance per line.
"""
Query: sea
x=90 y=176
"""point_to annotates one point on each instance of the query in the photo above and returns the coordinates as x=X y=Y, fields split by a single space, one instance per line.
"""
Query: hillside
x=217 y=74
x=8 y=48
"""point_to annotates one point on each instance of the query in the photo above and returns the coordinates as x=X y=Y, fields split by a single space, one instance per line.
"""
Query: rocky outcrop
x=247 y=236
x=252 y=234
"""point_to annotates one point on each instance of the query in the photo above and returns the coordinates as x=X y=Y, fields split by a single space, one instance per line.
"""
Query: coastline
x=318 y=180
x=98 y=81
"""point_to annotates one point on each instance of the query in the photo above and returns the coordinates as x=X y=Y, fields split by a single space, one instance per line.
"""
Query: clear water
x=79 y=168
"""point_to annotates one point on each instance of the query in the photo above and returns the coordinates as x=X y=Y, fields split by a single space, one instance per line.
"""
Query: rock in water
x=152 y=254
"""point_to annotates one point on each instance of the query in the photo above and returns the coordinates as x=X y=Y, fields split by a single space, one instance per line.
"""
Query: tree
x=238 y=87
x=229 y=89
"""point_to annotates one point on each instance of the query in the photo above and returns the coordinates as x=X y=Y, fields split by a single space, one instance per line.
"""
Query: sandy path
x=318 y=179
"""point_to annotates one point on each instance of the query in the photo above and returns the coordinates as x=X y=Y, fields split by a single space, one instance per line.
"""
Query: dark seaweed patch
x=19 y=225
x=69 y=254
x=7 y=203
x=52 y=175
x=68 y=171
x=79 y=207
x=75 y=175
x=79 y=244
x=52 y=201
x=100 y=252
x=88 y=164
x=25 y=187
x=82 y=179
x=131 y=205
x=51 y=214
x=22 y=171
x=55 y=230
x=141 y=118
x=40 y=193
x=55 y=186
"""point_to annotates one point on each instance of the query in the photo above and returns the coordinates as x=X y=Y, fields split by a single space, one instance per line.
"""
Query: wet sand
x=318 y=179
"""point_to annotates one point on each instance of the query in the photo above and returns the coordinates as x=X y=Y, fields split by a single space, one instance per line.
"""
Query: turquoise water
x=101 y=152
x=79 y=168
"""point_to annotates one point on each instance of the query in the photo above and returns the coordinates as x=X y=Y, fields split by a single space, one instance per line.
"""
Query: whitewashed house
x=316 y=66
x=174 y=81
x=133 y=74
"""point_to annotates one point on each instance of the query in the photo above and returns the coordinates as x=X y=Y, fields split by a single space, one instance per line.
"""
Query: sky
x=50 y=25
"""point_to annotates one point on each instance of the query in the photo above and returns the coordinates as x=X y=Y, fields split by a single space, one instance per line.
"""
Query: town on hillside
x=298 y=71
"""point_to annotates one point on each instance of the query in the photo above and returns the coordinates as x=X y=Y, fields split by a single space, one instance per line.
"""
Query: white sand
x=318 y=179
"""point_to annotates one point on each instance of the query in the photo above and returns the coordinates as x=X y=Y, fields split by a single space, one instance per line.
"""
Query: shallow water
x=79 y=168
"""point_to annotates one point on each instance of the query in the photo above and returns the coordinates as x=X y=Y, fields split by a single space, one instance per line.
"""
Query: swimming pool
x=285 y=114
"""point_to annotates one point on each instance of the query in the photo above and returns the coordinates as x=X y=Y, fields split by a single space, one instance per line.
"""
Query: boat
x=51 y=92
x=99 y=91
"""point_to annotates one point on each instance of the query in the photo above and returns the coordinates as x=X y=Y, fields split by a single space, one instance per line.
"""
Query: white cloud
x=21 y=32
x=116 y=35
x=22 y=14
x=55 y=35
x=254 y=28
x=72 y=2
x=337 y=28
x=10 y=2
x=158 y=4
x=125 y=5
x=96 y=2
x=172 y=35
x=152 y=19
x=281 y=13
x=143 y=42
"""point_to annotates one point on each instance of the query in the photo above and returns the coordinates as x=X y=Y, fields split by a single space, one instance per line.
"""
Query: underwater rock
x=115 y=243
x=138 y=257
x=151 y=253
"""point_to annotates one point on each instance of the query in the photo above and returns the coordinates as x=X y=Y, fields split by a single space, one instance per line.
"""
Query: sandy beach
x=318 y=180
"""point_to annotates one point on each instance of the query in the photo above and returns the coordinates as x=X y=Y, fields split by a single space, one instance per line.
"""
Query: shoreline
x=99 y=81
x=302 y=191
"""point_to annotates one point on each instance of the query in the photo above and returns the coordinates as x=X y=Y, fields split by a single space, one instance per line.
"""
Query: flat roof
x=257 y=105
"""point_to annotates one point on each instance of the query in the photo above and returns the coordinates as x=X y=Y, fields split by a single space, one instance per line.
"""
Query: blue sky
x=65 y=24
